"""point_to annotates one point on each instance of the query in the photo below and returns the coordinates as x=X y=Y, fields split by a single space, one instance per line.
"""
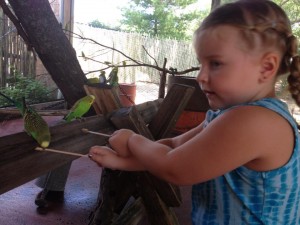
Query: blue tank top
x=245 y=196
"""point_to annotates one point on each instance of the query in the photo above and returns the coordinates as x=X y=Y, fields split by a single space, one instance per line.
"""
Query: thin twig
x=59 y=151
x=137 y=63
x=150 y=55
x=84 y=130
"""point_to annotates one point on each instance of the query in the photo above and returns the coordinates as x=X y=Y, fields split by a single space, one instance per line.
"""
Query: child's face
x=229 y=73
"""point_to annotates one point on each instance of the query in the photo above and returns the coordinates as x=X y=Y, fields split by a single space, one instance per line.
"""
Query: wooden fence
x=14 y=55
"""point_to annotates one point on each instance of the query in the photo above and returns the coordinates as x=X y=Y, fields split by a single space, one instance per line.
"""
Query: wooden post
x=107 y=99
x=158 y=196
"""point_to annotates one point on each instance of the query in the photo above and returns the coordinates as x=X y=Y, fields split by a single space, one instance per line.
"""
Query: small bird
x=102 y=77
x=80 y=107
x=93 y=80
x=37 y=127
x=113 y=77
x=34 y=124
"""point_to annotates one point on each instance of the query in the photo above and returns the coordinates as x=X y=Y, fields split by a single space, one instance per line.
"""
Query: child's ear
x=269 y=66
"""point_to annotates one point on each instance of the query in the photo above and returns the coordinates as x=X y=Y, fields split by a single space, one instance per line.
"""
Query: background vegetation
x=19 y=86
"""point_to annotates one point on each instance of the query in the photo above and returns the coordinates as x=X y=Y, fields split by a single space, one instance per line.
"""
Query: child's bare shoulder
x=255 y=117
x=266 y=134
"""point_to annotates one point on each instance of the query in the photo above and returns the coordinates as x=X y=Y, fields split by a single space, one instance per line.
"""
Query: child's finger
x=96 y=150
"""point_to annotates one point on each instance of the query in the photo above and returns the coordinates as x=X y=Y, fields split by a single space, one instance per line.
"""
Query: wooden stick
x=59 y=151
x=84 y=130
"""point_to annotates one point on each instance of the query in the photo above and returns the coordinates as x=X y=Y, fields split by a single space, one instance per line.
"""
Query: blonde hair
x=265 y=19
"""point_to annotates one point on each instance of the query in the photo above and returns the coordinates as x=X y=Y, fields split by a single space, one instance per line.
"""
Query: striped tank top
x=245 y=196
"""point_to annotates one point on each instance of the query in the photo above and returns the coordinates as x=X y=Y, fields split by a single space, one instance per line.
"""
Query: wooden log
x=20 y=163
x=54 y=108
x=149 y=109
x=170 y=110
x=169 y=193
x=132 y=214
x=16 y=112
x=130 y=119
x=157 y=211
x=107 y=99
x=159 y=127
x=116 y=189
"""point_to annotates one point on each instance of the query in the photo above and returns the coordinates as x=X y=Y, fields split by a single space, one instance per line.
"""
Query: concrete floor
x=17 y=205
x=18 y=208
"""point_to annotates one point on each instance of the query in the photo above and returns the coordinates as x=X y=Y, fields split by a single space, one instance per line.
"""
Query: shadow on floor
x=18 y=208
x=17 y=205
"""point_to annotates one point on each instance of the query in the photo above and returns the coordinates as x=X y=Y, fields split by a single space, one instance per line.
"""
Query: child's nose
x=202 y=76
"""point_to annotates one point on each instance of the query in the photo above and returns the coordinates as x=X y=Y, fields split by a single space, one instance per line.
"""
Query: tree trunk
x=52 y=46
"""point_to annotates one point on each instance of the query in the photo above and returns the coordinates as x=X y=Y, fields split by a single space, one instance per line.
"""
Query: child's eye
x=215 y=64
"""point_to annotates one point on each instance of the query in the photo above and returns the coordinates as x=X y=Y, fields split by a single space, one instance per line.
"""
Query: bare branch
x=136 y=62
x=150 y=55
x=105 y=46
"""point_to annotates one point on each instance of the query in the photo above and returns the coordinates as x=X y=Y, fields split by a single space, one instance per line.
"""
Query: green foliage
x=98 y=24
x=164 y=19
x=292 y=9
x=227 y=1
x=19 y=86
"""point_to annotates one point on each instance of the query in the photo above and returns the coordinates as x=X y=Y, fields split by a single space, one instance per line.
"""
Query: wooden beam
x=107 y=99
x=170 y=110
x=16 y=112
x=131 y=119
x=158 y=196
x=20 y=163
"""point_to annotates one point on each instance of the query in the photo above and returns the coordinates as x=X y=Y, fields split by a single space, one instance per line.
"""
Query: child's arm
x=246 y=136
x=250 y=136
x=181 y=139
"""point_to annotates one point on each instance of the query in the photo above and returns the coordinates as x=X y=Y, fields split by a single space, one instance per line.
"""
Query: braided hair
x=264 y=22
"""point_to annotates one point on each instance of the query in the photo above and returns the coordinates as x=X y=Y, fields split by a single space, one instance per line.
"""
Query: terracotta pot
x=127 y=93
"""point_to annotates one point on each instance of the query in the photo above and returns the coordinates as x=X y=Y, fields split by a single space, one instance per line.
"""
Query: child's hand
x=104 y=156
x=119 y=142
x=108 y=158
